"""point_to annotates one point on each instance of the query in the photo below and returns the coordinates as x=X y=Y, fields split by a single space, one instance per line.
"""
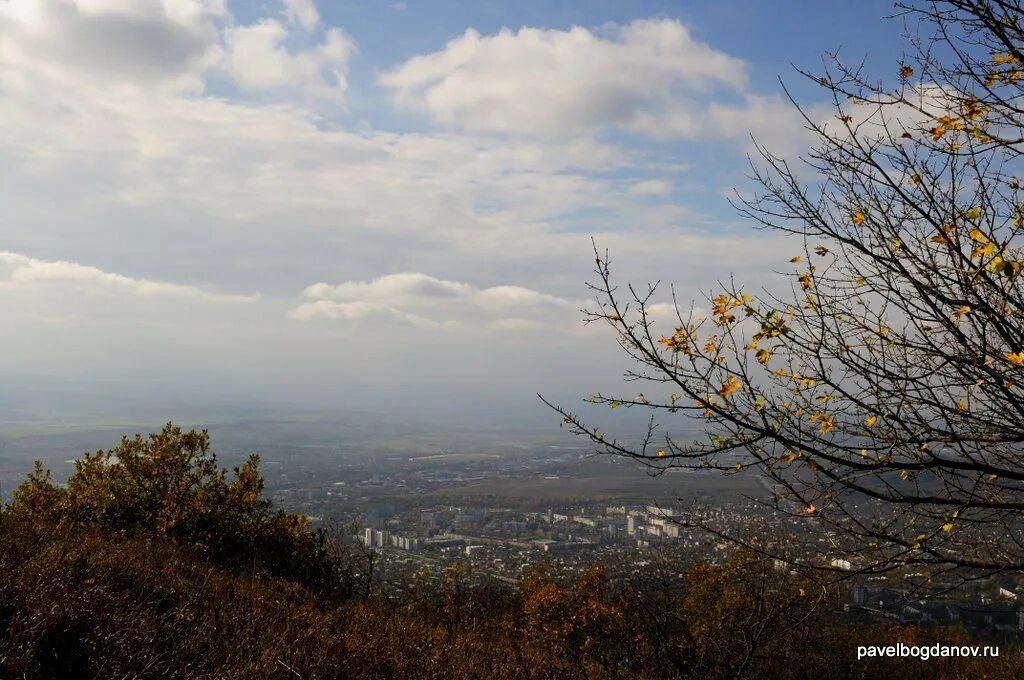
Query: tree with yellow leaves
x=881 y=395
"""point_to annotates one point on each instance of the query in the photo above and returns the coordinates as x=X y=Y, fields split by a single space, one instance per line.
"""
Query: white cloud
x=171 y=45
x=405 y=285
x=650 y=77
x=257 y=58
x=21 y=270
x=111 y=42
x=554 y=82
x=651 y=187
x=352 y=311
x=302 y=13
x=416 y=297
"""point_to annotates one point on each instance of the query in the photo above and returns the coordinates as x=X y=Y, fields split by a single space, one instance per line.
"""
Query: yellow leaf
x=729 y=386
x=661 y=453
x=961 y=312
x=947 y=527
x=1015 y=358
x=983 y=250
x=826 y=423
x=796 y=259
x=762 y=356
x=904 y=475
x=858 y=218
x=871 y=420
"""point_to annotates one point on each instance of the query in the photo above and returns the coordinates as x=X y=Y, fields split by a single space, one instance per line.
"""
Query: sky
x=377 y=205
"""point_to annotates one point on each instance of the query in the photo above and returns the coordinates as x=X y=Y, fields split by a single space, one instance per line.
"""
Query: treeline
x=152 y=562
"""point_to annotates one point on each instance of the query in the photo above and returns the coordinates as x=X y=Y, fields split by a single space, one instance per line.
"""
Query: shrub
x=169 y=485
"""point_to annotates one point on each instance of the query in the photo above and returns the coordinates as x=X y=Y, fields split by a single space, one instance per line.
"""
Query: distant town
x=499 y=503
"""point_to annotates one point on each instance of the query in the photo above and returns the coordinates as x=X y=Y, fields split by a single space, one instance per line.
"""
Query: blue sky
x=343 y=202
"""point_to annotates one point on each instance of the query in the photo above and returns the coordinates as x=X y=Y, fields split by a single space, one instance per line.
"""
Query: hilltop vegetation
x=155 y=563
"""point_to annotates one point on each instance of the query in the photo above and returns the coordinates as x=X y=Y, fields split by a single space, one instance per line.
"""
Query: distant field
x=627 y=486
x=456 y=457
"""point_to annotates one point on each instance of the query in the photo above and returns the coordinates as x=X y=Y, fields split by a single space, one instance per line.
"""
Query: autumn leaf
x=678 y=342
x=983 y=250
x=796 y=259
x=945 y=124
x=858 y=218
x=973 y=110
x=1015 y=358
x=906 y=72
x=808 y=511
x=661 y=453
x=961 y=312
x=826 y=423
x=870 y=421
x=762 y=356
x=729 y=386
x=1009 y=268
x=947 y=527
x=805 y=281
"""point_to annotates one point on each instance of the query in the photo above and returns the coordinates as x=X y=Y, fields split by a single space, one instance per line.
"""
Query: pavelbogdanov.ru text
x=925 y=652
